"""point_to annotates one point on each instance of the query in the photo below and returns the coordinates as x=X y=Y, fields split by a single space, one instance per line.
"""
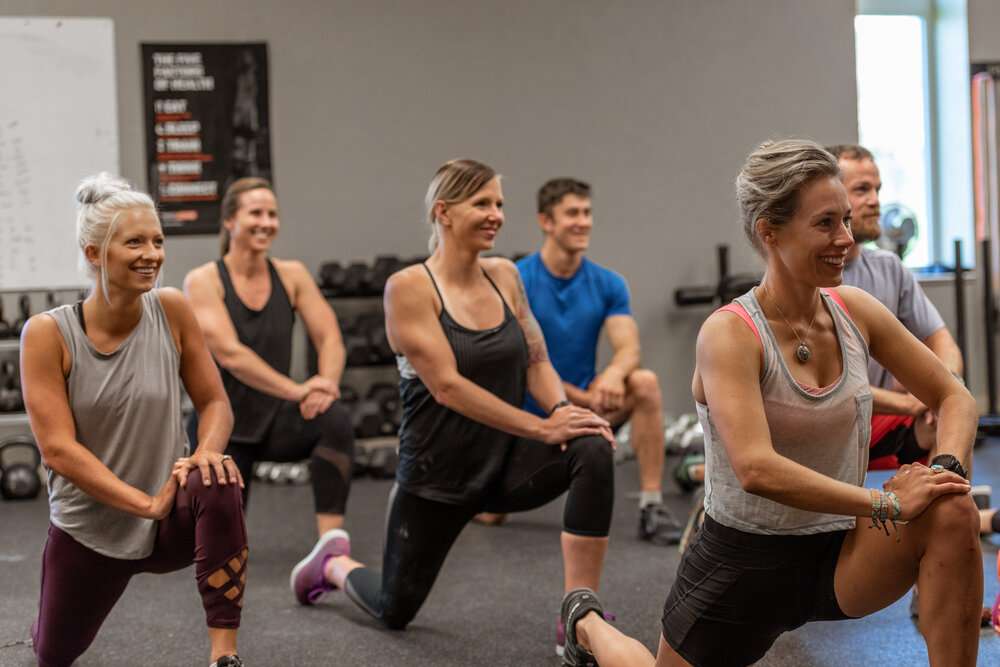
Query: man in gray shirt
x=903 y=429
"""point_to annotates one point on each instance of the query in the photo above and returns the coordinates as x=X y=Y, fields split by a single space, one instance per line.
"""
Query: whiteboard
x=58 y=123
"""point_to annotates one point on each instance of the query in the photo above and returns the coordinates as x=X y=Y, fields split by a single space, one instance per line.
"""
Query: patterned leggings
x=80 y=586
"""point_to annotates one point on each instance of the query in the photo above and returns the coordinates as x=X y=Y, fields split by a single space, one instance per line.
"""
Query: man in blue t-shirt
x=573 y=299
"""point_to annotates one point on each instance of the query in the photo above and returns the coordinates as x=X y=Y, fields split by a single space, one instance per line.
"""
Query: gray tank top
x=127 y=410
x=825 y=430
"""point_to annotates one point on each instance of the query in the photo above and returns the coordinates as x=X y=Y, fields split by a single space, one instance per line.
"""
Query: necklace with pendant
x=802 y=352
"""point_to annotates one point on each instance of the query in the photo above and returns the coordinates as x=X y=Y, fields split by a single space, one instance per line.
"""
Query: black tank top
x=443 y=455
x=268 y=332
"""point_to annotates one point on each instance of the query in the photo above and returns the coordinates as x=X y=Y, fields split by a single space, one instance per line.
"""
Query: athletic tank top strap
x=507 y=312
x=499 y=293
x=433 y=282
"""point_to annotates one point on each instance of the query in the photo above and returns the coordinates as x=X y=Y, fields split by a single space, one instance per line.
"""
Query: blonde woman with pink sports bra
x=791 y=533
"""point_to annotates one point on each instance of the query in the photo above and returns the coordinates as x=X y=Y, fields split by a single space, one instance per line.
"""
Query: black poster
x=207 y=124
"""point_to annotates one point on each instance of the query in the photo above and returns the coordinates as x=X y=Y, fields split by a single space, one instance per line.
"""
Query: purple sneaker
x=307 y=581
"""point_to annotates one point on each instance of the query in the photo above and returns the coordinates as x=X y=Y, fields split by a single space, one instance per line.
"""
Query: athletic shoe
x=228 y=661
x=658 y=525
x=577 y=604
x=308 y=582
x=695 y=520
x=682 y=472
x=995 y=615
x=561 y=631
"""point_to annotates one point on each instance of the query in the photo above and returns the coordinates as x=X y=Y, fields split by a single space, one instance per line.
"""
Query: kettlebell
x=19 y=481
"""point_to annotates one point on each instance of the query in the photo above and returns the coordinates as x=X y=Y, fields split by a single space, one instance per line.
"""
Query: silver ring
x=937 y=467
x=227 y=457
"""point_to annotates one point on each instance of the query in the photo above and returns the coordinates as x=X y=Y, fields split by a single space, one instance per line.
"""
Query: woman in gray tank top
x=102 y=386
x=782 y=392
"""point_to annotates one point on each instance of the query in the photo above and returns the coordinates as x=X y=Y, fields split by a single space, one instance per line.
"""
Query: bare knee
x=644 y=386
x=952 y=520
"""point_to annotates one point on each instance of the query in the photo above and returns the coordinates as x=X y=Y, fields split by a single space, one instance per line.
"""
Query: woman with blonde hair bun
x=102 y=386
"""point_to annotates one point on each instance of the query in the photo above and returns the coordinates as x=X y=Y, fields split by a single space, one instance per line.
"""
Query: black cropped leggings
x=327 y=441
x=420 y=532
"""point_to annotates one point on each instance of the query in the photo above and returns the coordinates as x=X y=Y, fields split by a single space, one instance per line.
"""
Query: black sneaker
x=658 y=525
x=682 y=472
x=577 y=604
x=228 y=661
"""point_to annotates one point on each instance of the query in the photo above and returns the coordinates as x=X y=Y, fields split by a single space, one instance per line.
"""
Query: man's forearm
x=576 y=395
x=624 y=361
x=946 y=349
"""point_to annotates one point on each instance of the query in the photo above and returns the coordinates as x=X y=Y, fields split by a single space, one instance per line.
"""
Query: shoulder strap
x=839 y=299
x=78 y=309
x=227 y=282
x=497 y=289
x=738 y=309
x=433 y=282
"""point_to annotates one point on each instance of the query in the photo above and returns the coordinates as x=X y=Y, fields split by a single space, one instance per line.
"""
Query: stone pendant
x=802 y=353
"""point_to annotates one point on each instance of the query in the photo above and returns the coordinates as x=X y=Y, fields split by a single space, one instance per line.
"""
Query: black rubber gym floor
x=495 y=602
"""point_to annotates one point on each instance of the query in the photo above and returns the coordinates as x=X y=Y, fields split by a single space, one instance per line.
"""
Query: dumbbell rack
x=361 y=377
x=14 y=422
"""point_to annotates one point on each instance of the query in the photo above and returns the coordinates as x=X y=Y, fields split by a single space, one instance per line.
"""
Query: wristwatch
x=949 y=462
x=561 y=404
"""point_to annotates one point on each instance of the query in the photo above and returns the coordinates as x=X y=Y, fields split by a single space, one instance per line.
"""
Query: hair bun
x=95 y=188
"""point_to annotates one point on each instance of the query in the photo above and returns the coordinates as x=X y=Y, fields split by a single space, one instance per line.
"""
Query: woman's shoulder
x=501 y=269
x=412 y=281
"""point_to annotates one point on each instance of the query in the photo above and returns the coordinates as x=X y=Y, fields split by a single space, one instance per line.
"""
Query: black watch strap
x=561 y=404
x=949 y=462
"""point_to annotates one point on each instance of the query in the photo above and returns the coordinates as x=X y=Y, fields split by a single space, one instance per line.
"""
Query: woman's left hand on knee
x=917 y=486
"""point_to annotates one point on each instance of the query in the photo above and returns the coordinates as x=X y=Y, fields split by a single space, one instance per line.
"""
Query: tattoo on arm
x=537 y=351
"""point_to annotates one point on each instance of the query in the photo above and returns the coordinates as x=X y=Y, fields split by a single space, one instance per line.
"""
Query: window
x=913 y=114
x=893 y=114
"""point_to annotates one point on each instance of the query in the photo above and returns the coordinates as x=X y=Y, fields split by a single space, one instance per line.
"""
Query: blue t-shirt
x=571 y=312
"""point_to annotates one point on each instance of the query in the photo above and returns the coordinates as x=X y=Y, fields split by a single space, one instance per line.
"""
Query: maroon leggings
x=80 y=586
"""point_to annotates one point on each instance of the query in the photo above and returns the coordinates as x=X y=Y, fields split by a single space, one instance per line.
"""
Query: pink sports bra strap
x=738 y=309
x=833 y=294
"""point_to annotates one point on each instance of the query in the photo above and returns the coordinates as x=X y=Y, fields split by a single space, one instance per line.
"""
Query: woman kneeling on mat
x=791 y=535
x=468 y=347
x=102 y=385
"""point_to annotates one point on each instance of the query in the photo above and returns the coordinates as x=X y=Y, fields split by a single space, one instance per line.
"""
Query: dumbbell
x=10 y=391
x=382 y=462
x=356 y=347
x=384 y=266
x=372 y=327
x=24 y=306
x=354 y=279
x=387 y=396
x=6 y=331
x=378 y=340
x=331 y=277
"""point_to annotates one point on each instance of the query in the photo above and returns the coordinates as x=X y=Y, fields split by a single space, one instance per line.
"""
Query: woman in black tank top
x=247 y=302
x=468 y=348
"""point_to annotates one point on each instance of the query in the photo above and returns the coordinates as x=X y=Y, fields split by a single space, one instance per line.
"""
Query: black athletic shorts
x=736 y=592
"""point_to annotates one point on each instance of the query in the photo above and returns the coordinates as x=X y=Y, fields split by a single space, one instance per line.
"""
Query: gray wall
x=656 y=103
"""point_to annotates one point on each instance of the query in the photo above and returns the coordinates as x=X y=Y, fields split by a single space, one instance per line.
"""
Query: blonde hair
x=231 y=203
x=454 y=181
x=101 y=199
x=769 y=183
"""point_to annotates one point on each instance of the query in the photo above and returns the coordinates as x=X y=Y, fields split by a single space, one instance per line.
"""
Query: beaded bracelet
x=885 y=508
